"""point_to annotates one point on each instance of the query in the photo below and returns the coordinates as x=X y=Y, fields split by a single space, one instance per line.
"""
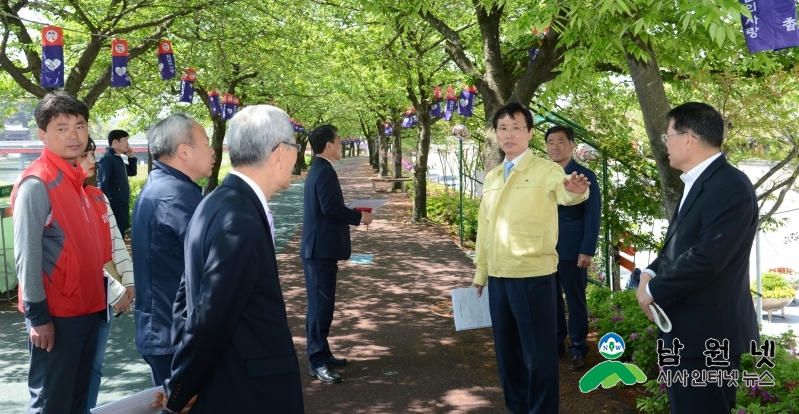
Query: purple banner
x=414 y=120
x=533 y=53
x=119 y=73
x=450 y=109
x=772 y=26
x=186 y=91
x=406 y=121
x=466 y=103
x=435 y=110
x=166 y=60
x=52 y=67
x=213 y=99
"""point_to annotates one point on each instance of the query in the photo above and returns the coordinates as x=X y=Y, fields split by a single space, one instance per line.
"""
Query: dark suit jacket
x=236 y=350
x=578 y=225
x=702 y=280
x=112 y=176
x=325 y=219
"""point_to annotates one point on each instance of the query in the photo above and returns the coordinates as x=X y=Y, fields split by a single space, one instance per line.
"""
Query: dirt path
x=403 y=358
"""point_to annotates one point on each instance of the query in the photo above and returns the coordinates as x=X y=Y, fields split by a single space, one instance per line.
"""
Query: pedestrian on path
x=578 y=233
x=325 y=241
x=113 y=173
x=515 y=255
x=59 y=259
x=161 y=215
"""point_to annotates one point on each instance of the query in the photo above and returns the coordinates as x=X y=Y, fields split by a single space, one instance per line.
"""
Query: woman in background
x=118 y=271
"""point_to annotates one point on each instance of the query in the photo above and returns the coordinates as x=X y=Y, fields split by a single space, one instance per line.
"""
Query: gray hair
x=254 y=133
x=166 y=135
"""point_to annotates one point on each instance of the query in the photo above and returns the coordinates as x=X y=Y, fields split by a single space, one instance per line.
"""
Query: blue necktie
x=508 y=166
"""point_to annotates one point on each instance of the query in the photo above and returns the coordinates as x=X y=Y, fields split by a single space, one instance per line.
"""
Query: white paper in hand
x=661 y=320
x=138 y=403
x=469 y=310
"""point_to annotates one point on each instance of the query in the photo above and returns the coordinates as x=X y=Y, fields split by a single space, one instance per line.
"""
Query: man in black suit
x=236 y=353
x=701 y=276
x=578 y=231
x=325 y=241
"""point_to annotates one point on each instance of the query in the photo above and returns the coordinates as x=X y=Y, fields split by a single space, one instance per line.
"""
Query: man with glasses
x=701 y=276
x=181 y=156
x=325 y=241
x=515 y=255
x=235 y=352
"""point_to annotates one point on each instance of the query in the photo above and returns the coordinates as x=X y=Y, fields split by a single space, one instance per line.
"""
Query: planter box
x=772 y=304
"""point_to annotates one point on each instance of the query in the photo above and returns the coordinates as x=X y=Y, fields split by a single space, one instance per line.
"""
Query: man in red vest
x=59 y=260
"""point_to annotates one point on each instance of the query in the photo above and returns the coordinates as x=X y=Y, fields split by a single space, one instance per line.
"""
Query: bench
x=401 y=180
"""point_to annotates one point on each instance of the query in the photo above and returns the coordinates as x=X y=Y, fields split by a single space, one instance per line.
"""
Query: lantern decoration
x=437 y=92
x=187 y=85
x=213 y=100
x=435 y=109
x=52 y=57
x=166 y=60
x=409 y=118
x=466 y=101
x=772 y=26
x=387 y=129
x=533 y=51
x=119 y=63
x=452 y=100
x=461 y=132
x=227 y=106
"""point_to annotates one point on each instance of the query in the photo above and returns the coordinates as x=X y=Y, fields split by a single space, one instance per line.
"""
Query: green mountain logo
x=609 y=373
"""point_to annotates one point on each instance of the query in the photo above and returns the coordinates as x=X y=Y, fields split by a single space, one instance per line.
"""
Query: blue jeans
x=103 y=333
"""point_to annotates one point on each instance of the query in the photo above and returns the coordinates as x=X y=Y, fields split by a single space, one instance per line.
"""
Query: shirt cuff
x=480 y=277
x=651 y=272
x=37 y=312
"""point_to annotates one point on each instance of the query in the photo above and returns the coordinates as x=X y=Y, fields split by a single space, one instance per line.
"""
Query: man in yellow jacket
x=515 y=256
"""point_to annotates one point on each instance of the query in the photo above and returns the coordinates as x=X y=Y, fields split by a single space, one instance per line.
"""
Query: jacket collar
x=73 y=172
x=696 y=188
x=174 y=172
x=109 y=150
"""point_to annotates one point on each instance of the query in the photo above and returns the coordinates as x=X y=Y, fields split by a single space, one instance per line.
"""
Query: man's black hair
x=59 y=103
x=116 y=135
x=511 y=109
x=560 y=128
x=320 y=136
x=700 y=119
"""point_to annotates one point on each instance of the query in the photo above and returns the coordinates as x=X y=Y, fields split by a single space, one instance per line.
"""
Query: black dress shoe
x=337 y=362
x=577 y=363
x=325 y=374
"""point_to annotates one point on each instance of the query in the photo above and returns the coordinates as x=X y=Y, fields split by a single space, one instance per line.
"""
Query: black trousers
x=121 y=212
x=320 y=286
x=58 y=380
x=572 y=280
x=708 y=399
x=523 y=321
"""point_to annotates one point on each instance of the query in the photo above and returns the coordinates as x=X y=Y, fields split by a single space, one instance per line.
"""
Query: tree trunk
x=216 y=143
x=384 y=172
x=420 y=168
x=396 y=153
x=300 y=164
x=654 y=107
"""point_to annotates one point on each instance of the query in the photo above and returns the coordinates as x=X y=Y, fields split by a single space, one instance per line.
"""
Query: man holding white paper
x=701 y=277
x=515 y=255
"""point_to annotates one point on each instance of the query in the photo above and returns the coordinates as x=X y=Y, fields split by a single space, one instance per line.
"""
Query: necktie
x=271 y=223
x=508 y=166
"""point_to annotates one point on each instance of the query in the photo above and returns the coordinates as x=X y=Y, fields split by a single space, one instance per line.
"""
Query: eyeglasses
x=665 y=137
x=512 y=130
x=288 y=144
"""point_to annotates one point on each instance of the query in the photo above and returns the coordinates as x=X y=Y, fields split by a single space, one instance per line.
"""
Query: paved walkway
x=403 y=357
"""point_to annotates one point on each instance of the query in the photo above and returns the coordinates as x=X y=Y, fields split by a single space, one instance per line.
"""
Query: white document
x=138 y=403
x=661 y=320
x=374 y=203
x=470 y=311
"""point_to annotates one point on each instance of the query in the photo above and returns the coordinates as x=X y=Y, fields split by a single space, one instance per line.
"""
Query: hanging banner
x=52 y=57
x=213 y=100
x=452 y=100
x=387 y=129
x=772 y=26
x=227 y=106
x=119 y=63
x=236 y=102
x=166 y=60
x=414 y=120
x=435 y=110
x=187 y=85
x=533 y=52
x=466 y=101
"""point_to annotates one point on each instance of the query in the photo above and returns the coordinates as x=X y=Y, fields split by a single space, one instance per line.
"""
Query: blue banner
x=772 y=26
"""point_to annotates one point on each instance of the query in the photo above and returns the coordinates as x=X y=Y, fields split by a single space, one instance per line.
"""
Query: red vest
x=97 y=200
x=75 y=286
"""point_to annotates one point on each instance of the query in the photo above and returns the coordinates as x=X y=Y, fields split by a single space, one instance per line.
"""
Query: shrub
x=775 y=286
x=445 y=209
x=783 y=396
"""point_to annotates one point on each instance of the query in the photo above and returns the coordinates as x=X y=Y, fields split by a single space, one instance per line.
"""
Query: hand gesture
x=576 y=183
x=131 y=292
x=43 y=336
x=583 y=261
x=123 y=304
x=479 y=289
x=160 y=401
x=129 y=152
